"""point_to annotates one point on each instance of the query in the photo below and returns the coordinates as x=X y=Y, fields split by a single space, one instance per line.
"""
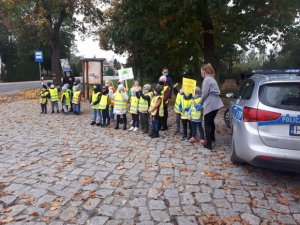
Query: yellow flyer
x=189 y=85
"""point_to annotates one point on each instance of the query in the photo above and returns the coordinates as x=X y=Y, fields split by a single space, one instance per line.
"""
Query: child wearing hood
x=95 y=103
x=156 y=110
x=185 y=105
x=179 y=95
x=76 y=100
x=196 y=116
x=144 y=97
x=104 y=106
x=120 y=99
x=44 y=98
x=65 y=99
x=134 y=103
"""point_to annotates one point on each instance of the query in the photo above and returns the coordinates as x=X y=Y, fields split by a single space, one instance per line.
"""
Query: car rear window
x=281 y=95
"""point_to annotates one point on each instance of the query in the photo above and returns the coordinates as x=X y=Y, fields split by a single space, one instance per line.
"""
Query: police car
x=266 y=120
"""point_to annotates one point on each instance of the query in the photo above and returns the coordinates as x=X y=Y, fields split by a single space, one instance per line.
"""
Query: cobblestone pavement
x=57 y=169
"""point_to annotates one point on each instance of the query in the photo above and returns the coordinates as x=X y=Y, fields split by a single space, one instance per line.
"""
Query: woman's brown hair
x=208 y=69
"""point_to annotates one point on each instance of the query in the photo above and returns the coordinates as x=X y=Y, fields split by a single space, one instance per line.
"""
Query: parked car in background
x=265 y=119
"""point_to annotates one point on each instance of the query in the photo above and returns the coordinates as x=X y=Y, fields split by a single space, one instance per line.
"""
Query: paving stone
x=125 y=213
x=159 y=216
x=98 y=220
x=202 y=197
x=138 y=202
x=187 y=198
x=157 y=204
x=144 y=214
x=286 y=219
x=107 y=210
x=250 y=218
x=68 y=213
x=186 y=220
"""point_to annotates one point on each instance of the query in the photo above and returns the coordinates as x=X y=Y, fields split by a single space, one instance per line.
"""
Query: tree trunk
x=208 y=37
x=55 y=59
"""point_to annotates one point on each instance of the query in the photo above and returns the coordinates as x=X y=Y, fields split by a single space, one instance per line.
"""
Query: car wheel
x=233 y=157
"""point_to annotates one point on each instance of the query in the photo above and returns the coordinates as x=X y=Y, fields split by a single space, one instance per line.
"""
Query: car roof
x=265 y=76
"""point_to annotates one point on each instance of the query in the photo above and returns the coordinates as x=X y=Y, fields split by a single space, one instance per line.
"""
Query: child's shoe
x=124 y=126
x=131 y=129
x=93 y=123
x=117 y=127
x=52 y=111
x=57 y=111
x=201 y=142
x=192 y=140
x=98 y=124
x=183 y=138
x=135 y=129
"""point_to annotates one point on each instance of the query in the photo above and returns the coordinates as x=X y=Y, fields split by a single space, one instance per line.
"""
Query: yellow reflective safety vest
x=94 y=99
x=134 y=103
x=67 y=97
x=43 y=97
x=143 y=104
x=177 y=103
x=118 y=101
x=195 y=115
x=53 y=94
x=76 y=97
x=161 y=107
x=163 y=93
x=186 y=105
x=103 y=102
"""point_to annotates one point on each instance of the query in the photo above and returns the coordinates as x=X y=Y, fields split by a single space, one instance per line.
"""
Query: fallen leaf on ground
x=86 y=180
x=166 y=181
x=55 y=206
x=27 y=197
x=35 y=214
x=7 y=220
x=120 y=167
x=7 y=210
x=283 y=201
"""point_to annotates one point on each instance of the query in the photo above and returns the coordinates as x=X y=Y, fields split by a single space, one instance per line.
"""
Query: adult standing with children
x=210 y=101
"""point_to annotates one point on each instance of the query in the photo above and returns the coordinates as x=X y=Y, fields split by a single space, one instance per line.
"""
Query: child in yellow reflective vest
x=179 y=95
x=54 y=98
x=76 y=100
x=44 y=99
x=95 y=102
x=120 y=98
x=104 y=106
x=144 y=97
x=65 y=99
x=156 y=110
x=185 y=105
x=196 y=116
x=134 y=103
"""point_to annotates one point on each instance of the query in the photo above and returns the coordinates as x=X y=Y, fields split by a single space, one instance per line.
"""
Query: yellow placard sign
x=189 y=85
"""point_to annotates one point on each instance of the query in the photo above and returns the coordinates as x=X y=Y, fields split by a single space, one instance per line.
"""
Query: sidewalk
x=57 y=169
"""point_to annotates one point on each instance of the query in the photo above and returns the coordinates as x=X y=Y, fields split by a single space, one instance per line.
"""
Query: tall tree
x=50 y=19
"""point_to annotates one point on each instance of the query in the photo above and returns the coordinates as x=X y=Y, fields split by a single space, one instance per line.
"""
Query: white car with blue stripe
x=266 y=120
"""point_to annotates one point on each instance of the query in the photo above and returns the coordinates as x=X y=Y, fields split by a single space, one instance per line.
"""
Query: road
x=17 y=86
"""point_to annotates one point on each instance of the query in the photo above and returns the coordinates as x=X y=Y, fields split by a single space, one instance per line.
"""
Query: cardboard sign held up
x=189 y=85
x=126 y=74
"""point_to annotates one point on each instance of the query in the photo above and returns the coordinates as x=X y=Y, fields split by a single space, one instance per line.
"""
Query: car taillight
x=256 y=115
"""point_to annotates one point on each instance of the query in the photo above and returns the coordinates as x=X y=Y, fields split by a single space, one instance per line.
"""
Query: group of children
x=69 y=97
x=145 y=106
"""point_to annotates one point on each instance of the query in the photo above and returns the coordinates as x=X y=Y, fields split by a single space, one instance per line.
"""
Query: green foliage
x=109 y=72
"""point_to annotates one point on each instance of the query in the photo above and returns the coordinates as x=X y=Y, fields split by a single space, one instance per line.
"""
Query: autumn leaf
x=114 y=183
x=27 y=197
x=35 y=214
x=55 y=206
x=166 y=181
x=7 y=210
x=295 y=192
x=119 y=193
x=283 y=201
x=7 y=220
x=254 y=202
x=120 y=167
x=86 y=180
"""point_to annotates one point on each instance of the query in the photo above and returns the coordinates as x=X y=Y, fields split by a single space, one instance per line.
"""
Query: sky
x=89 y=48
